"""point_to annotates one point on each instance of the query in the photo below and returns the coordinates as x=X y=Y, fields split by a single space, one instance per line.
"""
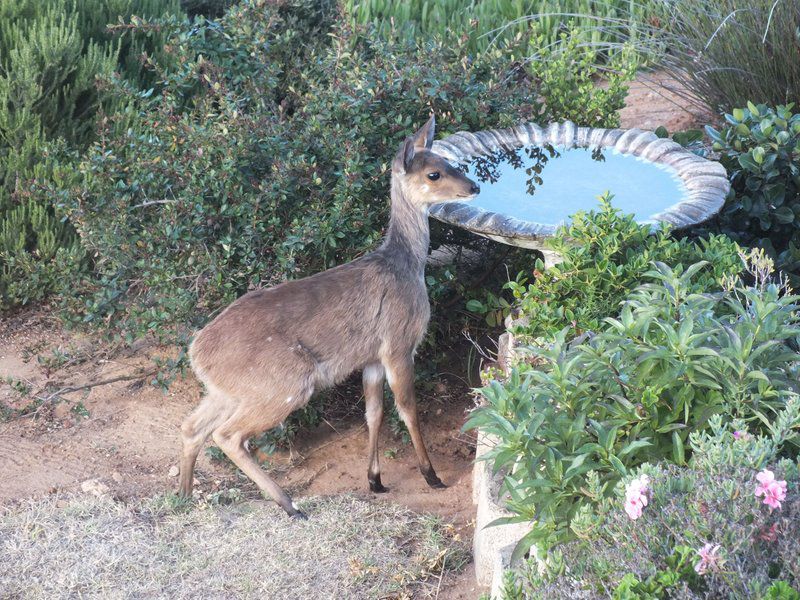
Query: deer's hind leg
x=250 y=419
x=374 y=377
x=195 y=430
x=400 y=373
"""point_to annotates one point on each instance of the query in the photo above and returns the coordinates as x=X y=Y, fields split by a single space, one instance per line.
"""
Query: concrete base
x=492 y=546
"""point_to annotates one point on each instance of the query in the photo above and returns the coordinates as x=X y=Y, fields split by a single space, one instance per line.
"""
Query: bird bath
x=532 y=179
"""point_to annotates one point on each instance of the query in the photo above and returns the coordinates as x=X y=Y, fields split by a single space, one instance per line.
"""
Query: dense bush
x=726 y=52
x=605 y=256
x=634 y=390
x=760 y=147
x=51 y=54
x=265 y=157
x=710 y=508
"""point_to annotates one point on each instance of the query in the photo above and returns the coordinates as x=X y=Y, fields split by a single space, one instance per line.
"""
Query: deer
x=271 y=349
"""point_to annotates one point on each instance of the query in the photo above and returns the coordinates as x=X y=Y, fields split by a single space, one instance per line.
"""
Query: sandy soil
x=653 y=101
x=125 y=434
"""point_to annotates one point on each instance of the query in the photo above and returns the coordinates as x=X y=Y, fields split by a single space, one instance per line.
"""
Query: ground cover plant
x=98 y=547
x=726 y=526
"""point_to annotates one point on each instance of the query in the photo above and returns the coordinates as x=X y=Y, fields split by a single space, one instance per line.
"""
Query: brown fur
x=270 y=350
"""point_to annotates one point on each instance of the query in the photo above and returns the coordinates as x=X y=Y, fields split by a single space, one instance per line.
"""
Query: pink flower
x=636 y=496
x=709 y=561
x=773 y=491
x=740 y=435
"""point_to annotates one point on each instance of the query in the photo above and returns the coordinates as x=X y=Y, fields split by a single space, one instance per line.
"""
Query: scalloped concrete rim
x=706 y=181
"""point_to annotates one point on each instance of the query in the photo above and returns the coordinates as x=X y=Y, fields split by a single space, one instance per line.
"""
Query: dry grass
x=97 y=548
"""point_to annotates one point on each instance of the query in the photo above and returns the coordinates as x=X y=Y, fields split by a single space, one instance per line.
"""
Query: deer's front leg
x=400 y=373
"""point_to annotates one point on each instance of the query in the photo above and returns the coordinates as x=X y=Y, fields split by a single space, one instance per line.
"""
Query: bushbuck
x=270 y=350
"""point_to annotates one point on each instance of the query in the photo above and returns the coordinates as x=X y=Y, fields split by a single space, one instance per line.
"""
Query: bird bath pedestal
x=532 y=179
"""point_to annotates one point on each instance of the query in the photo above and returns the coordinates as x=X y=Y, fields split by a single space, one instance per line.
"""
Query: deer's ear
x=408 y=153
x=423 y=139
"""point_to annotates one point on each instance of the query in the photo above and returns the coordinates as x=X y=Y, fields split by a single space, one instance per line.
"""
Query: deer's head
x=426 y=177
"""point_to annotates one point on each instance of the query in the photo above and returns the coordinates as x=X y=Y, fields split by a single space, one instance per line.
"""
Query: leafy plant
x=568 y=83
x=605 y=257
x=635 y=390
x=760 y=148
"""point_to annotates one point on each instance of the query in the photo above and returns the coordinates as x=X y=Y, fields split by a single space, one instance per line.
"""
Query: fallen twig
x=93 y=384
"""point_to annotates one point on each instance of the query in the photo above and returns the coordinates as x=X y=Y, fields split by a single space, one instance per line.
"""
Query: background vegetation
x=53 y=56
x=598 y=24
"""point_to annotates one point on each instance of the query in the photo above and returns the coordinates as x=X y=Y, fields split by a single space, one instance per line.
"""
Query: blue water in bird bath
x=548 y=184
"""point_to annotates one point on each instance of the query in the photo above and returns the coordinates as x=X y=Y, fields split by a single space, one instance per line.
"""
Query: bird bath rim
x=706 y=181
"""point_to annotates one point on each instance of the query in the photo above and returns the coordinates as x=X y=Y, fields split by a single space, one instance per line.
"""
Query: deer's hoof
x=432 y=479
x=377 y=488
x=299 y=516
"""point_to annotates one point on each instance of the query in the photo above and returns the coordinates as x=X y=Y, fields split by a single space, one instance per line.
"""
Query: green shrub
x=726 y=52
x=635 y=391
x=568 y=82
x=605 y=256
x=760 y=148
x=51 y=54
x=710 y=502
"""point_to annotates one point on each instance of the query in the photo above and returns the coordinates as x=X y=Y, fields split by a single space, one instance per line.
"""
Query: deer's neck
x=406 y=243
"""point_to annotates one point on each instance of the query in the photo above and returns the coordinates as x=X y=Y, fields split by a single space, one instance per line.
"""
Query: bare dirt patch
x=655 y=99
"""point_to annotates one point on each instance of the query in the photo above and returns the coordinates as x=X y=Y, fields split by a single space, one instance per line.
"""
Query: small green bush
x=712 y=501
x=760 y=148
x=605 y=257
x=636 y=389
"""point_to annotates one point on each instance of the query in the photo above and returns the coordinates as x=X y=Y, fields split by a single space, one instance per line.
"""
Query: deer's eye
x=434 y=176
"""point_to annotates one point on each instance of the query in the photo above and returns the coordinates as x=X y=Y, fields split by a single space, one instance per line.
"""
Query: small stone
x=116 y=477
x=61 y=410
x=173 y=471
x=94 y=487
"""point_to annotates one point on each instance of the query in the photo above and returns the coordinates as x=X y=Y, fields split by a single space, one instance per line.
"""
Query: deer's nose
x=475 y=189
